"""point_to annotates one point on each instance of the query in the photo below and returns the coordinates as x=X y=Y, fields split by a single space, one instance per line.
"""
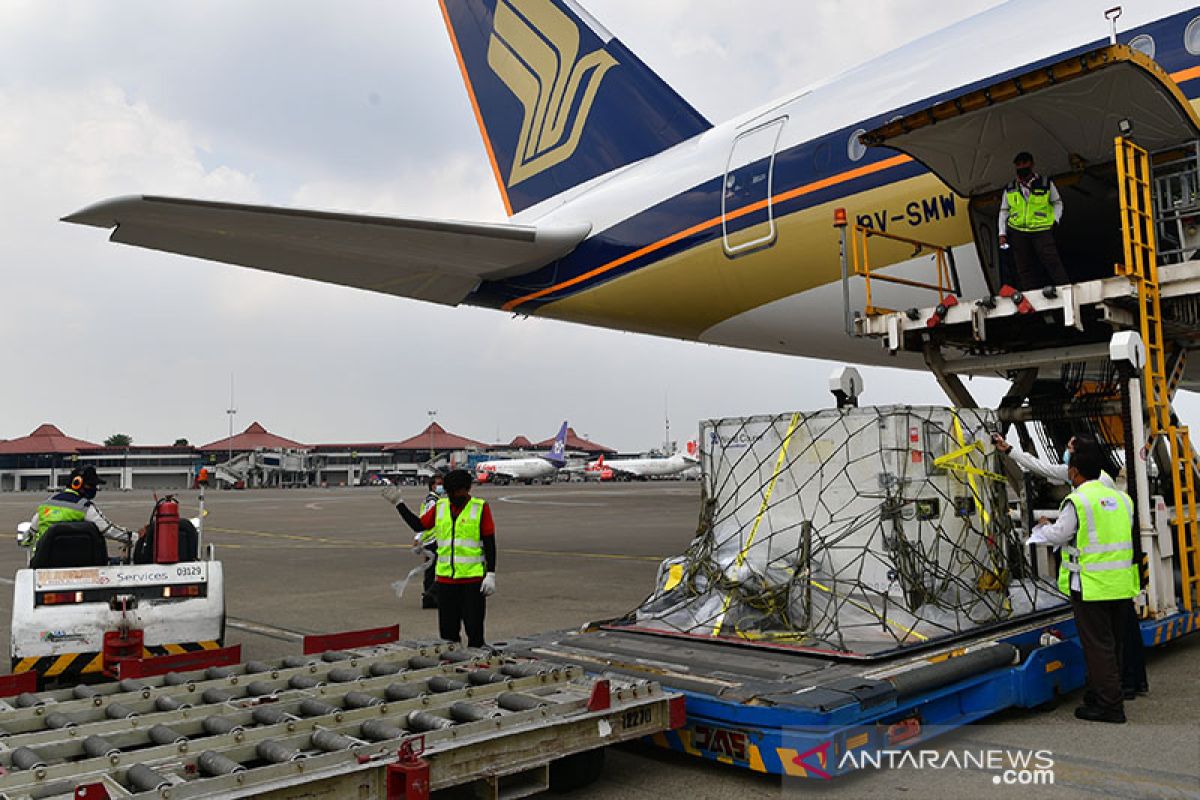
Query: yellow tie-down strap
x=957 y=461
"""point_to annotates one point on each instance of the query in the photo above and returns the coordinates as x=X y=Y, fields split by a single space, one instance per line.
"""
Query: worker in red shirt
x=466 y=555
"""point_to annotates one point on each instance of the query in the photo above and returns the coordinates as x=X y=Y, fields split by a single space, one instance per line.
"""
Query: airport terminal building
x=253 y=458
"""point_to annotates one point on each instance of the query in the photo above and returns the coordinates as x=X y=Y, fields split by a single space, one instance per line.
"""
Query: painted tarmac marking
x=509 y=499
x=334 y=544
x=263 y=629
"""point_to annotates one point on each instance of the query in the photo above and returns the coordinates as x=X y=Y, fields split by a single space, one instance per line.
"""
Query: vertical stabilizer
x=558 y=99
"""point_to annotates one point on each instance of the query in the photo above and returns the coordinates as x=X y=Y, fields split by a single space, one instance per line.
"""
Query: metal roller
x=423 y=662
x=470 y=712
x=933 y=676
x=291 y=662
x=84 y=692
x=260 y=688
x=361 y=700
x=343 y=675
x=216 y=764
x=482 y=677
x=331 y=742
x=403 y=691
x=378 y=730
x=144 y=779
x=515 y=701
x=254 y=667
x=161 y=734
x=266 y=715
x=213 y=673
x=216 y=695
x=304 y=682
x=57 y=719
x=97 y=747
x=525 y=670
x=168 y=703
x=131 y=685
x=27 y=700
x=440 y=683
x=119 y=711
x=215 y=726
x=385 y=668
x=330 y=656
x=24 y=758
x=175 y=679
x=317 y=708
x=276 y=752
x=456 y=656
x=424 y=721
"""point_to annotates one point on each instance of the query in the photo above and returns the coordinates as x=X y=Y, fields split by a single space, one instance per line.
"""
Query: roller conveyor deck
x=323 y=725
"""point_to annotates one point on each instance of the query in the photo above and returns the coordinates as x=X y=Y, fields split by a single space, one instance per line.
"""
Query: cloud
x=361 y=108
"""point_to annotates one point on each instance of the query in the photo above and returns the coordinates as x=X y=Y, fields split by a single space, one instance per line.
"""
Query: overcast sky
x=358 y=106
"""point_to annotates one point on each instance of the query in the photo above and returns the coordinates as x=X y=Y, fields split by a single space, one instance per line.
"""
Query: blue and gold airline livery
x=629 y=210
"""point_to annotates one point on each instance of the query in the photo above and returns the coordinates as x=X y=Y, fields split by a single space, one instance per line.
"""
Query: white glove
x=488 y=587
x=393 y=495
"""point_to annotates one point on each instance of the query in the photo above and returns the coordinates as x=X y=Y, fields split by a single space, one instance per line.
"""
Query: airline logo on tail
x=534 y=49
x=558 y=450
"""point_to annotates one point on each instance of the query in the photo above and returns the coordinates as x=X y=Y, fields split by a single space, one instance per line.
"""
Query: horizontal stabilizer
x=434 y=260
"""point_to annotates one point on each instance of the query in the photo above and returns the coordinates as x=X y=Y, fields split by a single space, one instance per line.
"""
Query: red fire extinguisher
x=166 y=531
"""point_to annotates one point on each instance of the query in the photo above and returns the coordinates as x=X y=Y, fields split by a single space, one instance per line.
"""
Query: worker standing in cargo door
x=466 y=556
x=1133 y=657
x=1095 y=531
x=1029 y=209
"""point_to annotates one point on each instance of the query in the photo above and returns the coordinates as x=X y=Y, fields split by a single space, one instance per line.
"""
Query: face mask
x=1024 y=172
x=439 y=489
x=1066 y=457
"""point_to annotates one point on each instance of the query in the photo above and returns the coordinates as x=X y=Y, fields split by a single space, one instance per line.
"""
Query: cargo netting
x=858 y=531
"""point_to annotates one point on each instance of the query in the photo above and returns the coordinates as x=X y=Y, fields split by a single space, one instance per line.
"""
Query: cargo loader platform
x=390 y=720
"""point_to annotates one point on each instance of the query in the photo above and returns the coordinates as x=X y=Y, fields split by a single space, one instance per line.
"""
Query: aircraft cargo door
x=747 y=219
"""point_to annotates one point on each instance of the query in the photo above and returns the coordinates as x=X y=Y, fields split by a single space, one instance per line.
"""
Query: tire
x=577 y=771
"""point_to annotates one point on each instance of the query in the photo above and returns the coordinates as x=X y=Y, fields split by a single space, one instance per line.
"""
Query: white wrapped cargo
x=856 y=530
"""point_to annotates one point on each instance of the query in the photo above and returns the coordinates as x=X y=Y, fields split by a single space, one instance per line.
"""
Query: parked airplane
x=527 y=470
x=630 y=210
x=642 y=468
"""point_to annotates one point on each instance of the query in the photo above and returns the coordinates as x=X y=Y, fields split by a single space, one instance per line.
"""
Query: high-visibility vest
x=459 y=548
x=1102 y=554
x=66 y=506
x=1032 y=214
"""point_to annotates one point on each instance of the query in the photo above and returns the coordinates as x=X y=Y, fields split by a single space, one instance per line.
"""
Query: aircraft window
x=1143 y=44
x=855 y=148
x=1191 y=37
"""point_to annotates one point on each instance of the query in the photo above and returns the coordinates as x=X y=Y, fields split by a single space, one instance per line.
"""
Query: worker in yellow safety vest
x=74 y=503
x=1095 y=533
x=1029 y=209
x=465 y=573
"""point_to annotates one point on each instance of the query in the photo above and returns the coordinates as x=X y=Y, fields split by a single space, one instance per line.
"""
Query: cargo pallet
x=372 y=720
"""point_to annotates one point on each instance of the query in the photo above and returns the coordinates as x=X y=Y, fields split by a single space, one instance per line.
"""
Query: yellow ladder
x=1141 y=267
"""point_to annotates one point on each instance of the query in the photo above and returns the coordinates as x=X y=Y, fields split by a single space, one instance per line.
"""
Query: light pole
x=432 y=421
x=231 y=412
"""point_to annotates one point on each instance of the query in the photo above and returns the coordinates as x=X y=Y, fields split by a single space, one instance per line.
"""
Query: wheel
x=575 y=772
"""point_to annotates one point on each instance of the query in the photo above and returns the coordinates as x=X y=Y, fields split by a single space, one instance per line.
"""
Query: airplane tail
x=558 y=451
x=692 y=453
x=558 y=99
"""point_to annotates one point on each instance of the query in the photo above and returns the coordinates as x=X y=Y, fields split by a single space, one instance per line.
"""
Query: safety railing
x=946 y=276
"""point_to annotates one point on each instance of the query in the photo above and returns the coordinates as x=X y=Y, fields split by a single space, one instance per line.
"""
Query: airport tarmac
x=321 y=560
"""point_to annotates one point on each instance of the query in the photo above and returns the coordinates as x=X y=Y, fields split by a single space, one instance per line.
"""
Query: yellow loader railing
x=946 y=278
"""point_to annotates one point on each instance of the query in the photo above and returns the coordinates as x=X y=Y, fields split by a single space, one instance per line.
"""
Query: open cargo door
x=1067 y=114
